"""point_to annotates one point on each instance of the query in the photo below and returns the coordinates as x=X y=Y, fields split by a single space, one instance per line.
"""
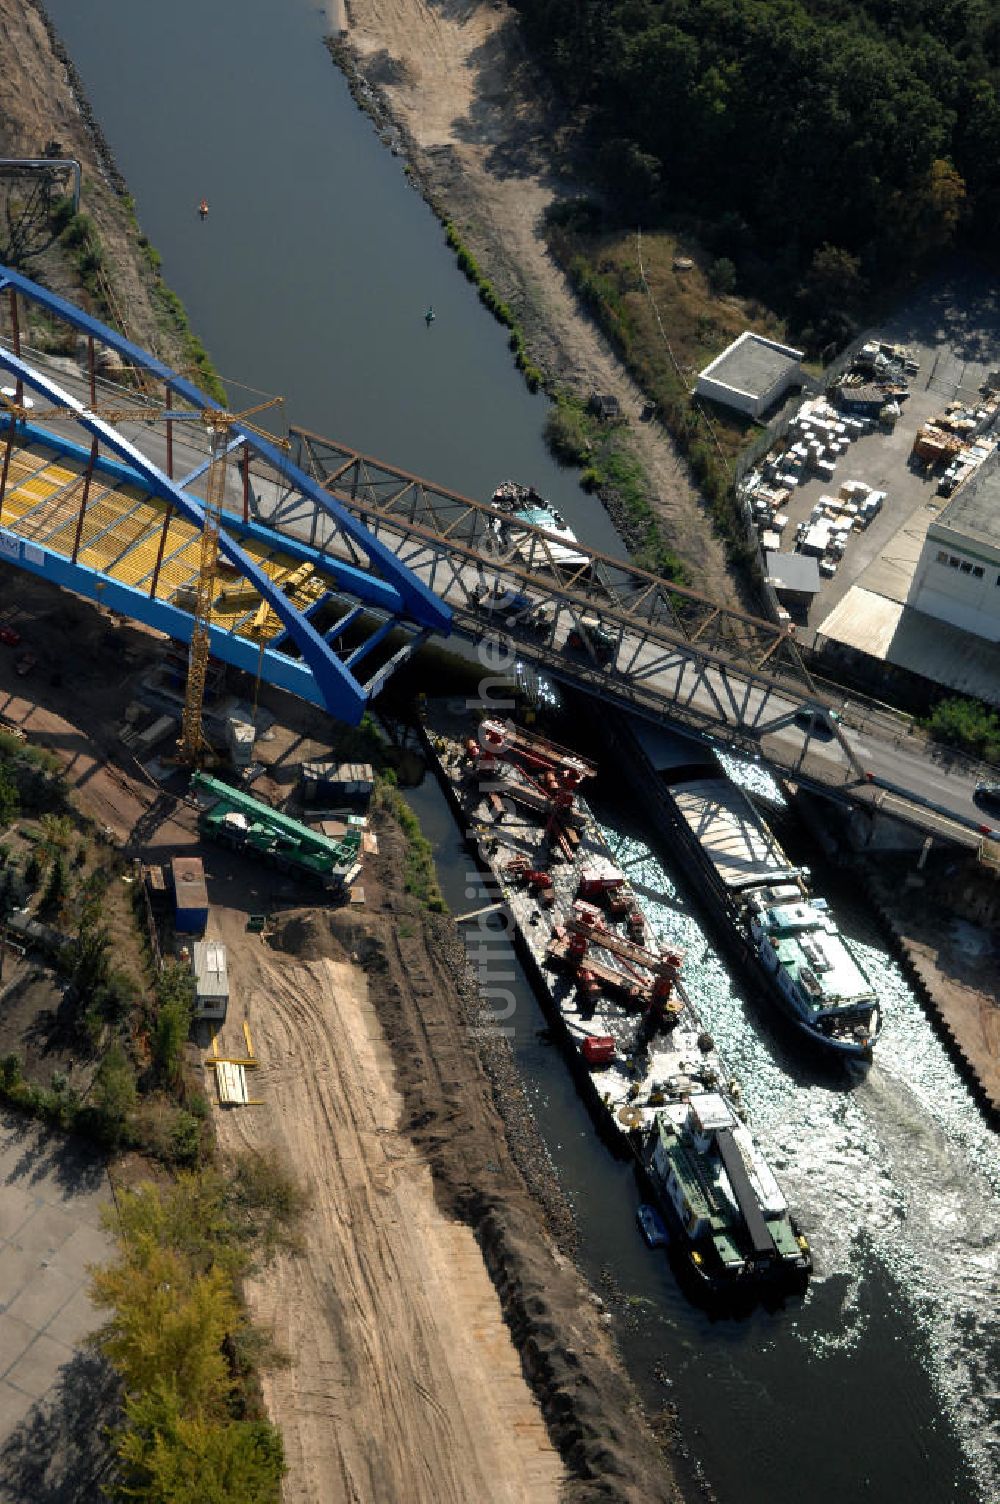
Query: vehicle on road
x=25 y=664
x=591 y=636
x=987 y=794
x=817 y=719
x=9 y=637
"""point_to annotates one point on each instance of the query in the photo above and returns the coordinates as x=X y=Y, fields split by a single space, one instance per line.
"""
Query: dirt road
x=456 y=78
x=403 y=1381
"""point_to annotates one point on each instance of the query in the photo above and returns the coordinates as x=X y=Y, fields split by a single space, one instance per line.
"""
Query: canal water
x=311 y=278
x=882 y=1382
x=316 y=265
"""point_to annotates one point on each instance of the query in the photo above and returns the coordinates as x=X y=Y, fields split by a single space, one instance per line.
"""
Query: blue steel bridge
x=102 y=486
x=96 y=501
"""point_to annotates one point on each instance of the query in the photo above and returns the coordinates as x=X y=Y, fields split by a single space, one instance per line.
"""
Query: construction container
x=147 y=740
x=211 y=979
x=190 y=894
x=598 y=1049
x=349 y=781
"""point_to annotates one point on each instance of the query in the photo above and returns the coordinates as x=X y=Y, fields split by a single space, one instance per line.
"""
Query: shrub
x=10 y=803
x=566 y=433
x=114 y=1091
x=185 y=1139
x=174 y=1004
x=967 y=724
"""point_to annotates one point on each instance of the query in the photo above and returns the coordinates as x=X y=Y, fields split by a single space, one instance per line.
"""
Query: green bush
x=172 y=1023
x=566 y=432
x=114 y=1091
x=420 y=876
x=185 y=1139
x=967 y=724
x=533 y=375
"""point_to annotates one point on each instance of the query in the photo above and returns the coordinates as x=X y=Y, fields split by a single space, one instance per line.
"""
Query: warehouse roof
x=752 y=364
x=975 y=509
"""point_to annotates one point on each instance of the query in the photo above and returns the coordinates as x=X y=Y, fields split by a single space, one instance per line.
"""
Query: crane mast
x=194 y=745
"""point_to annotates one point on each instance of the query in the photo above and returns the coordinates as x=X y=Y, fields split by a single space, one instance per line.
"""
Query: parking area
x=951 y=334
x=54 y=1394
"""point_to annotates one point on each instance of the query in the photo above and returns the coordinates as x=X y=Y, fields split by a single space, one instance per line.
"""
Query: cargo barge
x=775 y=927
x=651 y=1073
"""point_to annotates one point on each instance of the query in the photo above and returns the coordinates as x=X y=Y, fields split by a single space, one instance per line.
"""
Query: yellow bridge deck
x=121 y=536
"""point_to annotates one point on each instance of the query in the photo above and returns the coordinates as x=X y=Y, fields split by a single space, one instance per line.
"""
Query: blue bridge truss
x=103 y=500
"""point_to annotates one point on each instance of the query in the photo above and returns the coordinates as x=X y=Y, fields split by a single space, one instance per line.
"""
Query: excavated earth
x=379 y=1010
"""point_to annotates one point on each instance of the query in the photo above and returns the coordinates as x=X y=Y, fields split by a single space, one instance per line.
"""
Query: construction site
x=243 y=838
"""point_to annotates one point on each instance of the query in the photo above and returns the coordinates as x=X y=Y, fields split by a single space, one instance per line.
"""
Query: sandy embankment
x=456 y=79
x=403 y=1382
x=41 y=101
x=413 y=1375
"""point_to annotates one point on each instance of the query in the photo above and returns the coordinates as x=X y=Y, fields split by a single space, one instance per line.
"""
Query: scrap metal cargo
x=654 y=1079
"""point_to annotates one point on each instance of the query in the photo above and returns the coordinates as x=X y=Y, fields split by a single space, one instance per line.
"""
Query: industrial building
x=211 y=979
x=751 y=374
x=794 y=578
x=957 y=578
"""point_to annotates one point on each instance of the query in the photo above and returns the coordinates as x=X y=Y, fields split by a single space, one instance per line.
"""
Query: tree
x=57 y=832
x=180 y=1458
x=88 y=953
x=938 y=206
x=833 y=281
x=10 y=803
x=57 y=884
x=33 y=869
x=722 y=276
x=168 y=1325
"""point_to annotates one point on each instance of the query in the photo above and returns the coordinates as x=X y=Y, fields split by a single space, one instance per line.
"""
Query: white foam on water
x=899 y=1169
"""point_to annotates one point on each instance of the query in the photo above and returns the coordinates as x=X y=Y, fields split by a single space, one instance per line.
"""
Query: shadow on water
x=312 y=273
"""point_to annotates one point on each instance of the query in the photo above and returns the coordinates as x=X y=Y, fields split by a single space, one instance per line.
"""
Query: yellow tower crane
x=193 y=746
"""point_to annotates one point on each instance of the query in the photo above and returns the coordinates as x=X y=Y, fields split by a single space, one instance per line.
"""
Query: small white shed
x=211 y=979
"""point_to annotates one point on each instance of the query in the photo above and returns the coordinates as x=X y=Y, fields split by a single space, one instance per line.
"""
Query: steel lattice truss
x=118 y=517
x=675 y=652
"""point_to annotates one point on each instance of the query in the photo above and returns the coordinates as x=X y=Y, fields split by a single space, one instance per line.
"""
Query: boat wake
x=895 y=1178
